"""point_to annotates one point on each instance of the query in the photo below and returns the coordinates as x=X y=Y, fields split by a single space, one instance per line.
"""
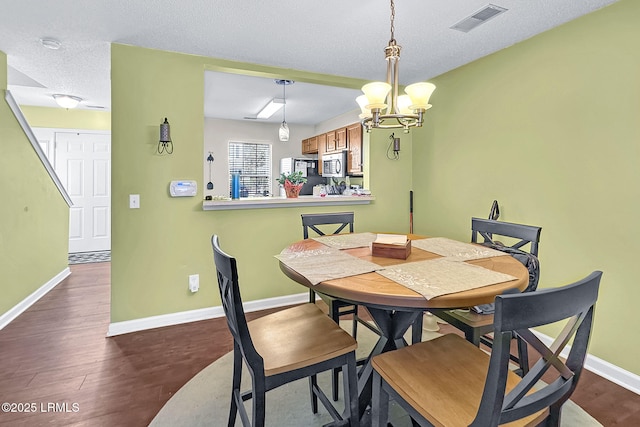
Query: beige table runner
x=435 y=277
x=455 y=250
x=347 y=241
x=319 y=265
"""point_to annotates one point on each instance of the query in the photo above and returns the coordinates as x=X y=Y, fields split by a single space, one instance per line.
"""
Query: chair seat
x=443 y=379
x=297 y=337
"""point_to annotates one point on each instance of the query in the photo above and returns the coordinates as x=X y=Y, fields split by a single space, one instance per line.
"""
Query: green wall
x=155 y=248
x=549 y=128
x=34 y=218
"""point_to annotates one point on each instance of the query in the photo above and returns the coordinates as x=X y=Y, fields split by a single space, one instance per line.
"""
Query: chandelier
x=382 y=107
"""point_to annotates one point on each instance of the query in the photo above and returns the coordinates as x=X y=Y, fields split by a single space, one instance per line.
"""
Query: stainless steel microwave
x=334 y=165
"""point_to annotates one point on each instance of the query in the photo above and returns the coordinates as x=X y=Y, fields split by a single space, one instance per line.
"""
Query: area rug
x=89 y=257
x=205 y=399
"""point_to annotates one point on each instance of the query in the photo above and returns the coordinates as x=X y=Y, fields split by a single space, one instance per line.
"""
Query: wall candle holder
x=165 y=145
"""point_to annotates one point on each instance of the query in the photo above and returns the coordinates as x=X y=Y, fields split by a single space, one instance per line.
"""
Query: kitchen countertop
x=283 y=202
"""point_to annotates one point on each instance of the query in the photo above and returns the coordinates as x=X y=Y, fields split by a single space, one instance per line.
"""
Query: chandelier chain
x=393 y=17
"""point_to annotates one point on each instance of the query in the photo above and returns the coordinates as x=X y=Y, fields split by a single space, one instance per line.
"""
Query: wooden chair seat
x=443 y=379
x=297 y=337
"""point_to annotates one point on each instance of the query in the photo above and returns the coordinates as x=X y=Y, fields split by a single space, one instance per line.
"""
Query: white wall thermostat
x=183 y=188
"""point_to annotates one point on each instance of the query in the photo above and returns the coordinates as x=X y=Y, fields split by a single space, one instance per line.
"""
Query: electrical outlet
x=134 y=201
x=194 y=282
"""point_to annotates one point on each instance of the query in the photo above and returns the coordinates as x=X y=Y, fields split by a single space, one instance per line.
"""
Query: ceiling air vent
x=480 y=17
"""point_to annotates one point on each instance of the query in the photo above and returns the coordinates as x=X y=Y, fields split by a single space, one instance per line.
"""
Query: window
x=253 y=161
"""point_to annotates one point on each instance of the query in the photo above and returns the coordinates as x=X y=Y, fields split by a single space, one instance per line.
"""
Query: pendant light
x=382 y=107
x=283 y=132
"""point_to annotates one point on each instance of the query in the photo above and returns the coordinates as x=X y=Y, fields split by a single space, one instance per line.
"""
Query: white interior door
x=83 y=164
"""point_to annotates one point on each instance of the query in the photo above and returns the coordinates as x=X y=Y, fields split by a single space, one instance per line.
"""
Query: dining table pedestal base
x=392 y=324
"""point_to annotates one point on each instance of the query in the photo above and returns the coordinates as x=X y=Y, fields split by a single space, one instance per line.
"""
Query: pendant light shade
x=376 y=94
x=283 y=132
x=419 y=93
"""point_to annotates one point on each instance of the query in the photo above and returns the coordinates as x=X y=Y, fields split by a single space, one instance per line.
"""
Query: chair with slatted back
x=282 y=347
x=337 y=221
x=476 y=325
x=449 y=382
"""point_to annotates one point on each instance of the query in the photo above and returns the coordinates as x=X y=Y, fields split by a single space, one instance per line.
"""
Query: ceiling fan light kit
x=382 y=107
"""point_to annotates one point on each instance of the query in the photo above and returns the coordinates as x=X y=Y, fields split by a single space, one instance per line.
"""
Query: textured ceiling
x=344 y=38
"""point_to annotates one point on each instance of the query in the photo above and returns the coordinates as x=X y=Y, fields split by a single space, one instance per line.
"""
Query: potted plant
x=292 y=183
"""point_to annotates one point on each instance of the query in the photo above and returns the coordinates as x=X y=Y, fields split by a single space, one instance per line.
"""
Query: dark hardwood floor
x=57 y=362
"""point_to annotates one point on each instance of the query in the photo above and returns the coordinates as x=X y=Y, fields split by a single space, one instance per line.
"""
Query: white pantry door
x=83 y=164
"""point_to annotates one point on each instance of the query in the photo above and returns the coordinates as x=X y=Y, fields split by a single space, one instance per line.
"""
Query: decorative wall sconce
x=165 y=145
x=395 y=145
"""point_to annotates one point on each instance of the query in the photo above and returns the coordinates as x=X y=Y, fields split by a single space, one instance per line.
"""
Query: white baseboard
x=19 y=308
x=601 y=367
x=128 y=326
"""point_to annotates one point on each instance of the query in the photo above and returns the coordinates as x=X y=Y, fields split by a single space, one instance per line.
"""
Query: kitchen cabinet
x=310 y=145
x=348 y=138
x=322 y=143
x=354 y=141
x=331 y=141
x=341 y=139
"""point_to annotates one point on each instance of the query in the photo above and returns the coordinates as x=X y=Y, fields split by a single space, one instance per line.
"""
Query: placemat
x=435 y=277
x=318 y=265
x=453 y=249
x=347 y=241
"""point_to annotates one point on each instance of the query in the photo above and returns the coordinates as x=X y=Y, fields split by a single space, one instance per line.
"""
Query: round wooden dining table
x=394 y=307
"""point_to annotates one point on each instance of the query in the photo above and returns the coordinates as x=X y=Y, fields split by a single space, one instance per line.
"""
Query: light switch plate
x=194 y=282
x=134 y=201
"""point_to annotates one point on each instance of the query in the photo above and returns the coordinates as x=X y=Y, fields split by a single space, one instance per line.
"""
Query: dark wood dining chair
x=282 y=347
x=477 y=325
x=449 y=382
x=337 y=221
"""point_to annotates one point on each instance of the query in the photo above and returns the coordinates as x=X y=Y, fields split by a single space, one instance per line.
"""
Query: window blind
x=253 y=162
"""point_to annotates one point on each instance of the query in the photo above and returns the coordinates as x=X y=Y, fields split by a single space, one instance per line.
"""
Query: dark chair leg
x=379 y=402
x=334 y=312
x=313 y=383
x=350 y=382
x=416 y=330
x=354 y=327
x=523 y=356
x=553 y=420
x=235 y=385
x=259 y=402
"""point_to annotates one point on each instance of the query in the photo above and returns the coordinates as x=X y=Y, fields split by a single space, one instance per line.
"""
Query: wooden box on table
x=391 y=251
